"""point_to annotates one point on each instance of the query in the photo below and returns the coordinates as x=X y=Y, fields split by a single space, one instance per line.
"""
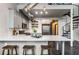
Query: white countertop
x=29 y=38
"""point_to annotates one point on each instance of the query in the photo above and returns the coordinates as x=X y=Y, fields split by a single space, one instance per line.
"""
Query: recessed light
x=36 y=12
x=46 y=12
x=41 y=12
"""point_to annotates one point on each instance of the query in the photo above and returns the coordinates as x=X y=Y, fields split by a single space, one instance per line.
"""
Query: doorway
x=54 y=27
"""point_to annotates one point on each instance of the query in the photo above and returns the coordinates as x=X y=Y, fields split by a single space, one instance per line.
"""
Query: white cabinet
x=11 y=18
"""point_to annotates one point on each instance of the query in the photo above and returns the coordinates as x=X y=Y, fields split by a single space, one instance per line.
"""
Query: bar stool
x=10 y=48
x=27 y=47
x=45 y=47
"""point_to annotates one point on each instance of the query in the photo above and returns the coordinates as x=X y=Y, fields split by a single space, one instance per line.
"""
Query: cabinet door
x=11 y=18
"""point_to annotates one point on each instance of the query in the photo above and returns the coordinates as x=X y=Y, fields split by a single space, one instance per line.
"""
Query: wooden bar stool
x=10 y=48
x=27 y=47
x=45 y=47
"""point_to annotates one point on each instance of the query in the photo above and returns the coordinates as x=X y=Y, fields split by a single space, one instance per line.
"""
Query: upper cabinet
x=11 y=18
x=16 y=21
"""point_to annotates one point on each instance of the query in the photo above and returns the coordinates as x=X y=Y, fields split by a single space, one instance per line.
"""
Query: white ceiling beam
x=30 y=6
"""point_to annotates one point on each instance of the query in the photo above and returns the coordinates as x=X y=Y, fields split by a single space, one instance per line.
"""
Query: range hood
x=26 y=11
x=25 y=14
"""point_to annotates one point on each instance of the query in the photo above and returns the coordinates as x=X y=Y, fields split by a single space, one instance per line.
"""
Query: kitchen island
x=29 y=40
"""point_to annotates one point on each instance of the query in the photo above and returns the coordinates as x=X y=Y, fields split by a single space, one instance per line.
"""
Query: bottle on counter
x=14 y=31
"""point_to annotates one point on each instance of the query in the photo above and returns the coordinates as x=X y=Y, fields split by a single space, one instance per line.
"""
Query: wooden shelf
x=34 y=23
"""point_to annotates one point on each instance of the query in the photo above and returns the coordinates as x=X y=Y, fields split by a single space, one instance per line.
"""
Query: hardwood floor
x=68 y=49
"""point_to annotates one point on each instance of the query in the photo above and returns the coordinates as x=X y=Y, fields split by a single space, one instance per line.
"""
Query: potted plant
x=34 y=31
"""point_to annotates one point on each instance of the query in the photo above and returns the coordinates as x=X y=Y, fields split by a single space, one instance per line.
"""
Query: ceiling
x=77 y=4
x=51 y=12
x=49 y=8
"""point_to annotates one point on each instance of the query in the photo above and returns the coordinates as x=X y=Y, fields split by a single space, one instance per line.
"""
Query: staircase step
x=76 y=22
x=76 y=17
x=75 y=44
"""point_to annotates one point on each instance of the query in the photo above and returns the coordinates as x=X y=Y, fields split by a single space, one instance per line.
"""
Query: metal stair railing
x=75 y=22
x=66 y=30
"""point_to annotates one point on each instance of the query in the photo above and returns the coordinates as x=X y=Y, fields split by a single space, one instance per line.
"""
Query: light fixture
x=41 y=12
x=36 y=12
x=46 y=12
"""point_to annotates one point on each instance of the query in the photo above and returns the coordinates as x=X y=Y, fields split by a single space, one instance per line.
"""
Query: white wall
x=4 y=17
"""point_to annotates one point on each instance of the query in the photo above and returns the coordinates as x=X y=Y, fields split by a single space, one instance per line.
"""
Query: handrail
x=66 y=31
x=65 y=26
x=75 y=22
x=75 y=16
